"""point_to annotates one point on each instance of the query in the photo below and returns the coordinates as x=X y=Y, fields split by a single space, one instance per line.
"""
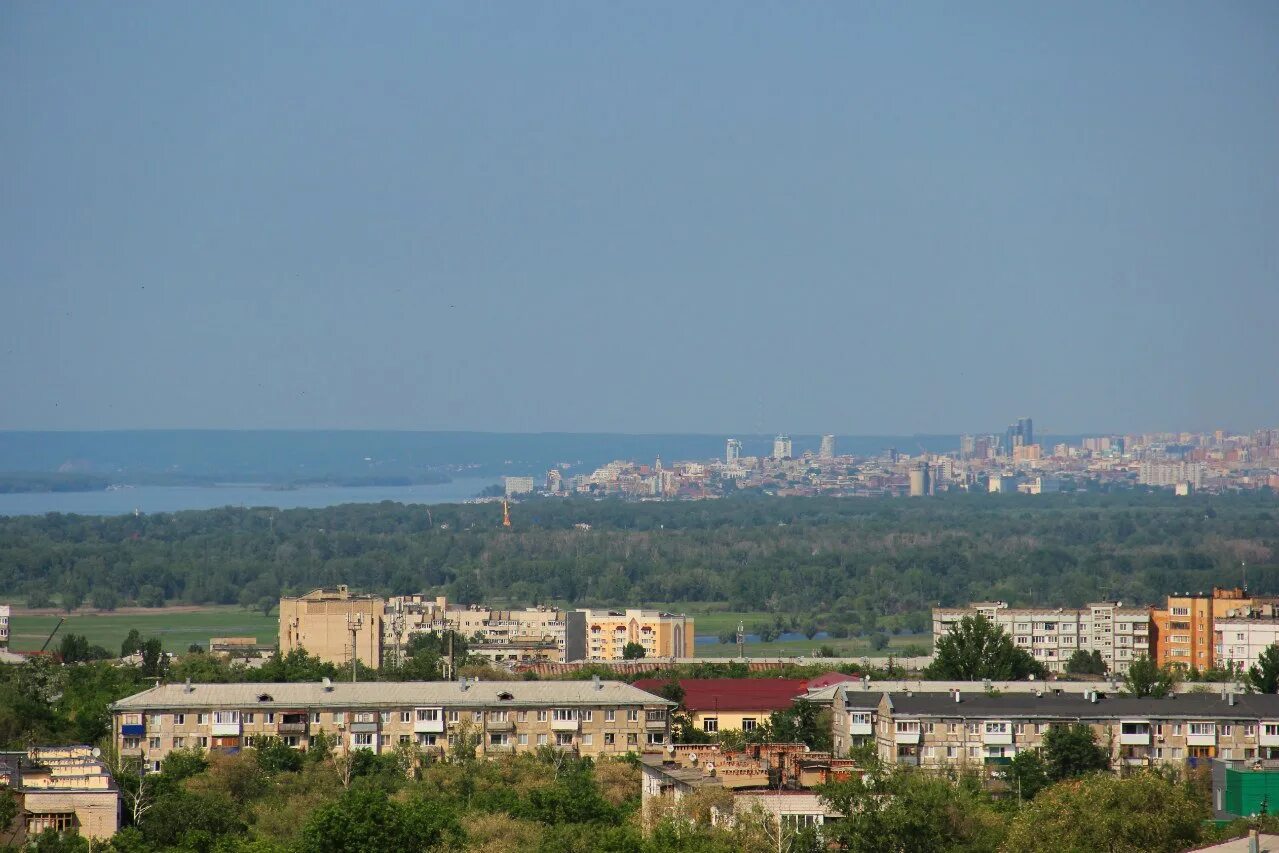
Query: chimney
x=328 y=685
x=187 y=688
x=1230 y=698
x=957 y=698
x=1254 y=841
x=1092 y=697
x=595 y=679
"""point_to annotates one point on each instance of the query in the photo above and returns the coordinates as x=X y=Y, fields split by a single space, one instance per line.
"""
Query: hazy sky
x=845 y=217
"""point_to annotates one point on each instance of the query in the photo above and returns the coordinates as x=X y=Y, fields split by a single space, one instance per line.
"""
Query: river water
x=149 y=499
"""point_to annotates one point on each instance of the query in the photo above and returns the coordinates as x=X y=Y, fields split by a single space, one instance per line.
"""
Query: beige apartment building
x=418 y=614
x=1051 y=635
x=604 y=634
x=947 y=730
x=334 y=625
x=4 y=626
x=63 y=788
x=592 y=718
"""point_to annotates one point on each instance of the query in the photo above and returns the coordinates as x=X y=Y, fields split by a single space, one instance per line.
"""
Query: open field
x=177 y=628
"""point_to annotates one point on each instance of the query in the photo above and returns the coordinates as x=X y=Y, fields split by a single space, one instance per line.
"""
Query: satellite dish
x=95 y=752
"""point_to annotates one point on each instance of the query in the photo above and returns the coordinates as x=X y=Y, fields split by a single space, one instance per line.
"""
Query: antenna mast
x=353 y=624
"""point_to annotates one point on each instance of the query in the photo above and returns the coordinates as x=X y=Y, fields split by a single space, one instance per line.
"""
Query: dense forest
x=855 y=565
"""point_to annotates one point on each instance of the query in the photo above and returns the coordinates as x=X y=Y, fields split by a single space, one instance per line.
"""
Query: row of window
x=422 y=715
x=711 y=724
x=371 y=740
x=1001 y=727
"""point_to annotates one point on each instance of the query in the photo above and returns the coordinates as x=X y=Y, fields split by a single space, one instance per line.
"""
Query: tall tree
x=1145 y=679
x=1072 y=750
x=1263 y=676
x=1139 y=814
x=977 y=649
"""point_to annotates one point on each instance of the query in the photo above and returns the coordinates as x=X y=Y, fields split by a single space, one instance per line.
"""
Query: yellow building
x=604 y=634
x=334 y=625
x=1183 y=630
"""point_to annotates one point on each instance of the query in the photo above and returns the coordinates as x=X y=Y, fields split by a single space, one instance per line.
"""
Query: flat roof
x=1195 y=706
x=396 y=694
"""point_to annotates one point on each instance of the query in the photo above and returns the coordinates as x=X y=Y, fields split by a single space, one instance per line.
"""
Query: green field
x=176 y=629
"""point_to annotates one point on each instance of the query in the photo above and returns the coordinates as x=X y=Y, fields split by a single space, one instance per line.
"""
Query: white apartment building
x=1051 y=635
x=4 y=626
x=1239 y=642
x=1171 y=473
x=518 y=486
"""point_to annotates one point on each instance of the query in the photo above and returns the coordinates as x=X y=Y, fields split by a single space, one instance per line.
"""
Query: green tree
x=1072 y=750
x=1147 y=679
x=1027 y=774
x=1263 y=676
x=1144 y=813
x=364 y=819
x=632 y=651
x=976 y=649
x=154 y=662
x=1086 y=663
x=132 y=643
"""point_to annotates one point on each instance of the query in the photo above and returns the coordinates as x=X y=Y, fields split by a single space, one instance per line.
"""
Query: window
x=406 y=716
x=541 y=716
x=202 y=741
x=632 y=739
x=996 y=728
x=453 y=716
x=588 y=716
x=609 y=738
x=226 y=717
x=523 y=740
x=384 y=717
x=564 y=715
x=710 y=724
x=424 y=739
x=588 y=740
x=270 y=717
x=749 y=724
x=338 y=716
x=563 y=738
x=1226 y=729
x=521 y=716
x=179 y=743
x=656 y=738
x=153 y=743
x=362 y=740
x=56 y=821
x=405 y=739
x=249 y=717
x=179 y=719
x=431 y=715
x=632 y=715
x=610 y=715
x=950 y=751
x=202 y=719
x=497 y=717
x=541 y=740
x=498 y=739
x=477 y=716
x=1203 y=729
x=155 y=720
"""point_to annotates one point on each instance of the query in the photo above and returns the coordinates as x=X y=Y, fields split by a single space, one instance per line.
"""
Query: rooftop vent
x=505 y=697
x=187 y=688
x=595 y=680
x=266 y=697
x=327 y=684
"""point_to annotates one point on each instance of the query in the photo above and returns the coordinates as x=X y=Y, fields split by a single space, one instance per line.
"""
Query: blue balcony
x=133 y=731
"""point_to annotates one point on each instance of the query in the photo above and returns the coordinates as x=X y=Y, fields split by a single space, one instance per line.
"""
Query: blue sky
x=696 y=217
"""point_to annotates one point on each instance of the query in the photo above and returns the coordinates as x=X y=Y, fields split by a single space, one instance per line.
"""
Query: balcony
x=1268 y=734
x=906 y=736
x=292 y=728
x=1204 y=738
x=1001 y=735
x=137 y=730
x=225 y=729
x=429 y=726
x=1134 y=733
x=564 y=725
x=861 y=728
x=363 y=728
x=500 y=726
x=499 y=748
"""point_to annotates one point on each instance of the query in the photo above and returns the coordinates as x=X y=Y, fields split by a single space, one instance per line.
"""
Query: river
x=121 y=501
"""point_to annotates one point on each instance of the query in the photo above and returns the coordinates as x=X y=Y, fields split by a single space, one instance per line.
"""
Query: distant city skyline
x=669 y=218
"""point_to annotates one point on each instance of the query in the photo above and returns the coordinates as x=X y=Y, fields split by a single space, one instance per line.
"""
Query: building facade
x=782 y=447
x=516 y=486
x=4 y=626
x=334 y=625
x=933 y=730
x=591 y=718
x=63 y=788
x=1183 y=629
x=1051 y=635
x=604 y=634
x=726 y=704
x=1237 y=643
x=827 y=450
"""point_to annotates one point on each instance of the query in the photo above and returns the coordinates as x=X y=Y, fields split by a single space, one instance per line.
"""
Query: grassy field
x=177 y=629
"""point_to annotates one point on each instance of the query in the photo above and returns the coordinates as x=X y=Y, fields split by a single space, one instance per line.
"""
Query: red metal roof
x=733 y=694
x=831 y=678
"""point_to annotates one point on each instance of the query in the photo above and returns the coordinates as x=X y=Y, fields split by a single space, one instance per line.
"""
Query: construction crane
x=51 y=633
x=506 y=514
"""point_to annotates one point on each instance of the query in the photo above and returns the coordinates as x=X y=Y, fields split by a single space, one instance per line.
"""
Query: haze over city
x=716 y=218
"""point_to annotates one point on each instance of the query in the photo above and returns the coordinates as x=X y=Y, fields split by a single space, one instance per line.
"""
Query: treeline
x=850 y=566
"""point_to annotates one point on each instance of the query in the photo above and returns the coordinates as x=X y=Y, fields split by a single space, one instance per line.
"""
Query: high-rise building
x=920 y=481
x=518 y=486
x=967 y=446
x=733 y=452
x=782 y=447
x=1026 y=427
x=1184 y=629
x=828 y=447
